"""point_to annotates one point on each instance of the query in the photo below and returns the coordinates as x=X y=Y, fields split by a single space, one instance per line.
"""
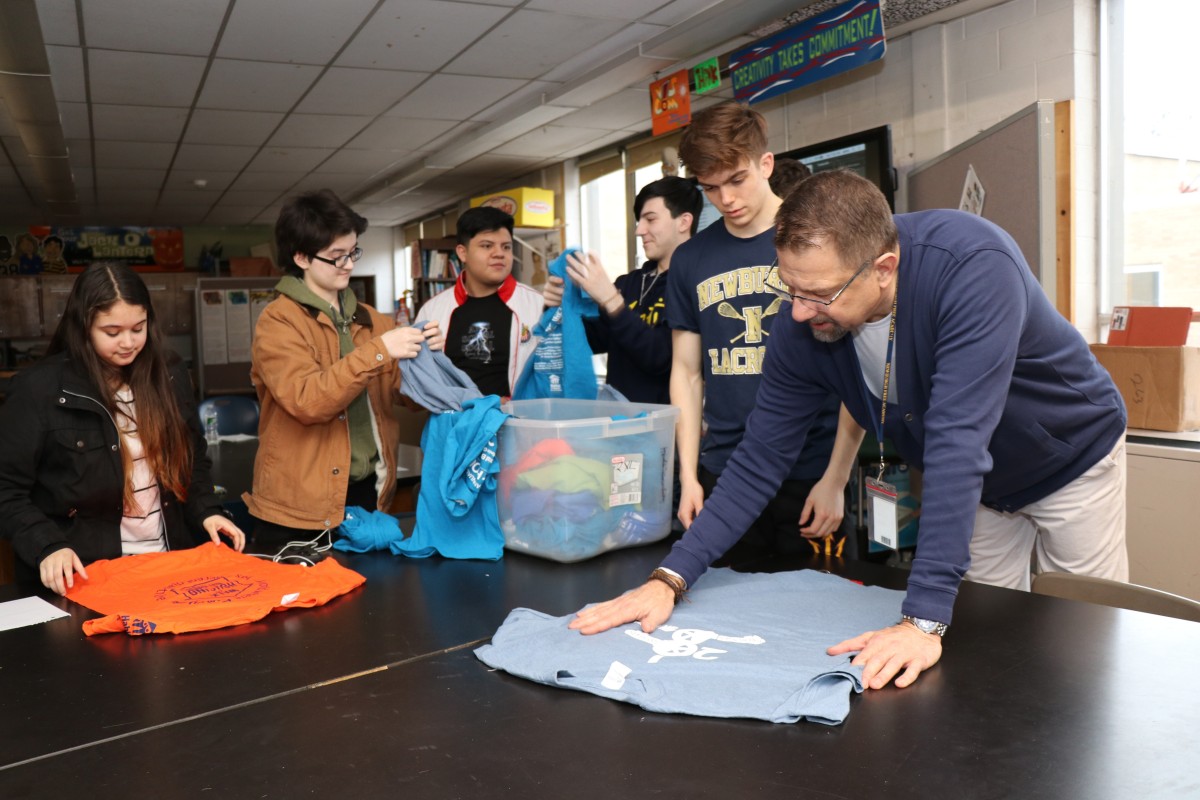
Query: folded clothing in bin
x=572 y=505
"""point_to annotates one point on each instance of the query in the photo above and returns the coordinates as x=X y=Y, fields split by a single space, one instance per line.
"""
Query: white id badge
x=883 y=513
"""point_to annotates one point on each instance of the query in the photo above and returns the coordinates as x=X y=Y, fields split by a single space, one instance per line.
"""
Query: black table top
x=63 y=689
x=1034 y=697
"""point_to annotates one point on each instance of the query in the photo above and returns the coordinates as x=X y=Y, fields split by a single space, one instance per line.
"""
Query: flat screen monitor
x=868 y=153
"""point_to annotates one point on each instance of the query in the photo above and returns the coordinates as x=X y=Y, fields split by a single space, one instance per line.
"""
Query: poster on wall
x=48 y=250
x=237 y=325
x=670 y=103
x=843 y=38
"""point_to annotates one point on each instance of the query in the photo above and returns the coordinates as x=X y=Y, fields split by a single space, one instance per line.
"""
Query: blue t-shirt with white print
x=746 y=645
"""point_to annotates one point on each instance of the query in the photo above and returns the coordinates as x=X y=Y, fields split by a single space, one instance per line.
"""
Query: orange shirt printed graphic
x=206 y=587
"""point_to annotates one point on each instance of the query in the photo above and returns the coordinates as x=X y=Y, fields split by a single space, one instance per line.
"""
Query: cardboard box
x=251 y=267
x=1161 y=385
x=530 y=208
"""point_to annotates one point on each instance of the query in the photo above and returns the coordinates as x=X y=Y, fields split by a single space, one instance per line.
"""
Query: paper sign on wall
x=670 y=103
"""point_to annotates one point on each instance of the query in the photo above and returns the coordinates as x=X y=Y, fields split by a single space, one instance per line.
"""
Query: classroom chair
x=236 y=414
x=1116 y=594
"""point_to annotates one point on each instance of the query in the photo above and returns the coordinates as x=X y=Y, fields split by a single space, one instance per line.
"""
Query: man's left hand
x=883 y=654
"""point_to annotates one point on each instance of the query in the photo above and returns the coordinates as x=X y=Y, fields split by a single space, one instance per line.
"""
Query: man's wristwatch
x=925 y=625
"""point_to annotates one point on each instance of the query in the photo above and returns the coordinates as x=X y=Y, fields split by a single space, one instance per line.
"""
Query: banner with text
x=828 y=44
x=42 y=249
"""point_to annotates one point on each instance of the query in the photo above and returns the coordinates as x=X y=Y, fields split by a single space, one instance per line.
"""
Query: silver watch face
x=927 y=625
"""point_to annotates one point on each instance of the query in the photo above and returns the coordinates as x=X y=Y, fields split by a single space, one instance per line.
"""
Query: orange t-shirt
x=206 y=587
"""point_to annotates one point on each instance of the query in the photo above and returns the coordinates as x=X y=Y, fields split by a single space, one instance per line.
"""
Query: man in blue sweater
x=956 y=355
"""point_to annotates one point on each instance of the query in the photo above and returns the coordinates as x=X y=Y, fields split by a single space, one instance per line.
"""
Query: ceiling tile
x=609 y=59
x=143 y=79
x=419 y=35
x=58 y=21
x=268 y=216
x=293 y=160
x=340 y=184
x=360 y=92
x=134 y=155
x=187 y=28
x=626 y=10
x=117 y=195
x=255 y=85
x=321 y=28
x=74 y=119
x=131 y=178
x=455 y=97
x=138 y=123
x=259 y=198
x=222 y=157
x=679 y=11
x=7 y=126
x=396 y=133
x=359 y=162
x=271 y=181
x=492 y=167
x=200 y=198
x=531 y=43
x=548 y=140
x=232 y=215
x=619 y=111
x=318 y=130
x=8 y=177
x=184 y=179
x=210 y=126
x=66 y=73
x=527 y=96
x=178 y=215
x=79 y=151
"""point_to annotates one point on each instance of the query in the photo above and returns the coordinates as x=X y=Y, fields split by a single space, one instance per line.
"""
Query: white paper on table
x=27 y=611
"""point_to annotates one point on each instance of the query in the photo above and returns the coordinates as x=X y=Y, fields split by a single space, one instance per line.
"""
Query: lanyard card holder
x=884 y=514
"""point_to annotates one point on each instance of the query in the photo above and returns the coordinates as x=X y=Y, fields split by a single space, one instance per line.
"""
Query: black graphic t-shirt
x=478 y=342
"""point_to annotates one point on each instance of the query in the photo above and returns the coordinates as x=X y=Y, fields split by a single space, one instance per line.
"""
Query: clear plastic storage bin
x=581 y=477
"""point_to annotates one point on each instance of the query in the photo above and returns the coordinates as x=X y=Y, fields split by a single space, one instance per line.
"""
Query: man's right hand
x=691 y=501
x=651 y=604
x=58 y=569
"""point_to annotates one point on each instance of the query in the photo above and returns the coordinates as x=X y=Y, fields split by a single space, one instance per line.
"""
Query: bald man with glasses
x=935 y=334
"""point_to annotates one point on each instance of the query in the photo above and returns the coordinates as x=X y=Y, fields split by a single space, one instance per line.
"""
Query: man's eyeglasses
x=340 y=261
x=783 y=293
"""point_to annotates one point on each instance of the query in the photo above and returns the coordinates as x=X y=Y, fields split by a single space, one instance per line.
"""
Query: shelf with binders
x=435 y=267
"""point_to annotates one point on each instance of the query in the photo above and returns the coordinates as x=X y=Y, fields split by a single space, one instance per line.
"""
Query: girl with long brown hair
x=101 y=452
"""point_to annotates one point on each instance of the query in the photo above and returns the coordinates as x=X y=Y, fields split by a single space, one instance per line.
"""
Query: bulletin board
x=1015 y=163
x=226 y=312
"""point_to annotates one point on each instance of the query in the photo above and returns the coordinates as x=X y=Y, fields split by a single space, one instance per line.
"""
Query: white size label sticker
x=626 y=486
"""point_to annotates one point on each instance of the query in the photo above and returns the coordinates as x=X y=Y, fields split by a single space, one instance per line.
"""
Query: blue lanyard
x=887 y=376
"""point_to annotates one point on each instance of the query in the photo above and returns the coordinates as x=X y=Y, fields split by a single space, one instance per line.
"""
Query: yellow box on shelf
x=530 y=208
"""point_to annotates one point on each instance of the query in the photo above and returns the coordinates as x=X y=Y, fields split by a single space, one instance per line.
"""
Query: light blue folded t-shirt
x=744 y=645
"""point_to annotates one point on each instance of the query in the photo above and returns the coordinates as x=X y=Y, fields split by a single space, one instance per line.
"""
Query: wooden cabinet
x=183 y=317
x=20 y=308
x=55 y=291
